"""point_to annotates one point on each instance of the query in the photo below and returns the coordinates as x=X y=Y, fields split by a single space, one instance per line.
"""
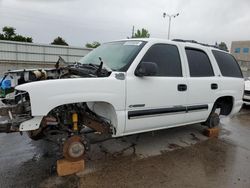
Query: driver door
x=155 y=102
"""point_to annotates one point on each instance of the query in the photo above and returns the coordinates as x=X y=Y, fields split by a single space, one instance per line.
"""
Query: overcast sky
x=81 y=21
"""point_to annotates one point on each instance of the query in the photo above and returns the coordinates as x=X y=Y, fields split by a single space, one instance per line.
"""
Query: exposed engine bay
x=66 y=125
x=62 y=70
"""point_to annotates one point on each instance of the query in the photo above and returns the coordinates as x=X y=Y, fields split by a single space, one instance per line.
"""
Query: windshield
x=116 y=55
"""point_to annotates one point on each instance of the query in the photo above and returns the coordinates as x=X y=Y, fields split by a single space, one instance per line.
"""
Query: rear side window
x=199 y=63
x=167 y=58
x=228 y=65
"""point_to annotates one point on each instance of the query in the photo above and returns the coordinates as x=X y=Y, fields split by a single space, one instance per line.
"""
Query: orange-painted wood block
x=65 y=167
x=212 y=132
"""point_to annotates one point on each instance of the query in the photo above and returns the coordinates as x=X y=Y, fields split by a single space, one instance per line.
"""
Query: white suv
x=125 y=87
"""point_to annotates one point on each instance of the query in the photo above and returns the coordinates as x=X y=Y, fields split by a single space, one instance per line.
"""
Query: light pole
x=169 y=19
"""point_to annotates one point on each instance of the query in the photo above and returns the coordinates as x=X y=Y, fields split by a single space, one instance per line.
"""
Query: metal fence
x=20 y=55
x=29 y=52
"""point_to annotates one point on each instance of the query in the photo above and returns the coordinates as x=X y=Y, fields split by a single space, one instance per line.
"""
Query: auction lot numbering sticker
x=134 y=43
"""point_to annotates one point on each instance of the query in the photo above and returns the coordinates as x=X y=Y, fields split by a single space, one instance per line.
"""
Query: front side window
x=116 y=55
x=227 y=64
x=167 y=58
x=199 y=63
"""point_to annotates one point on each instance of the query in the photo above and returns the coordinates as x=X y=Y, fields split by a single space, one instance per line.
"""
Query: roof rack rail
x=194 y=41
x=181 y=40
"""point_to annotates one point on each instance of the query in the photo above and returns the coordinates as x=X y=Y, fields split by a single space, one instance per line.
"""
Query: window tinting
x=167 y=58
x=228 y=65
x=199 y=63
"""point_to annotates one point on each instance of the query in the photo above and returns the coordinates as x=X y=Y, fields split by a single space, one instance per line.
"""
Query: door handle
x=214 y=86
x=182 y=87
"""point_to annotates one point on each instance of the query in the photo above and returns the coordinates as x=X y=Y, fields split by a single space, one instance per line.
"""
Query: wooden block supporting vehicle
x=212 y=132
x=212 y=123
x=65 y=167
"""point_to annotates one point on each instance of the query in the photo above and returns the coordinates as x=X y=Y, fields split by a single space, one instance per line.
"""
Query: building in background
x=21 y=55
x=241 y=51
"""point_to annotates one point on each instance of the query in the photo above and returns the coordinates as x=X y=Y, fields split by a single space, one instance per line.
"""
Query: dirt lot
x=179 y=157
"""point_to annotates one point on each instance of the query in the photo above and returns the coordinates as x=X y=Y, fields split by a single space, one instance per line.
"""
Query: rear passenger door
x=202 y=85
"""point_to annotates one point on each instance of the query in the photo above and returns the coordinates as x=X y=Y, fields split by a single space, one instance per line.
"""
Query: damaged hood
x=48 y=94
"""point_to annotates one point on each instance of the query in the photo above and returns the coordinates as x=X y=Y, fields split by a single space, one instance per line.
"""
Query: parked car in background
x=246 y=97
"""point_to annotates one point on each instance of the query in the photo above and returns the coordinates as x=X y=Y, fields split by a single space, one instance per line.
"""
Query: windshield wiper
x=104 y=65
x=97 y=70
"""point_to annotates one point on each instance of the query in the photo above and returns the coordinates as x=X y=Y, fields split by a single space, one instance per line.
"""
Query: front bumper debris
x=11 y=116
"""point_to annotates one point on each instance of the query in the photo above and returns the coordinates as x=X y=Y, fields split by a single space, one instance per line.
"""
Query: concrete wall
x=19 y=55
x=243 y=57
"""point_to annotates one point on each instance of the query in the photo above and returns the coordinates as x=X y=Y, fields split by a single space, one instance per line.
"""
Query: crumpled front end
x=14 y=111
x=15 y=107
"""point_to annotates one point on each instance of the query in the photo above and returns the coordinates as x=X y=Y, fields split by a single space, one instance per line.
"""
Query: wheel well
x=225 y=103
x=104 y=109
x=101 y=108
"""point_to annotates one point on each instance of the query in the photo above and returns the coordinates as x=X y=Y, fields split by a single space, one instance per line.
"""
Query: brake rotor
x=73 y=149
x=214 y=120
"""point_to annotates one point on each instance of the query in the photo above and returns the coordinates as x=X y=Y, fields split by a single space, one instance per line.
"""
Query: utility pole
x=169 y=21
x=133 y=31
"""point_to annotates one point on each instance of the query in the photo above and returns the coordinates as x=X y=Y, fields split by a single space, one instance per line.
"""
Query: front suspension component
x=74 y=148
x=75 y=122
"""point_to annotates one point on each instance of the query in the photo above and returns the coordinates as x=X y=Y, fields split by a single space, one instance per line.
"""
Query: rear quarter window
x=227 y=64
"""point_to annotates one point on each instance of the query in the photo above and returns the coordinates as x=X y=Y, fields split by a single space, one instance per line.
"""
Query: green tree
x=21 y=38
x=143 y=33
x=94 y=44
x=223 y=46
x=9 y=33
x=59 y=41
x=1 y=36
x=29 y=39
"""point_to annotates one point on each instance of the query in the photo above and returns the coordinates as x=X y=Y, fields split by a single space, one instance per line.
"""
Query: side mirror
x=146 y=69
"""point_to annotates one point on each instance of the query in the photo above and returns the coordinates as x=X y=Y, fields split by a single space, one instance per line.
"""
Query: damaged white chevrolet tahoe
x=122 y=88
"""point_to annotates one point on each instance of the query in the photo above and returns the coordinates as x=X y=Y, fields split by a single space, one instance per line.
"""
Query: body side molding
x=160 y=111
